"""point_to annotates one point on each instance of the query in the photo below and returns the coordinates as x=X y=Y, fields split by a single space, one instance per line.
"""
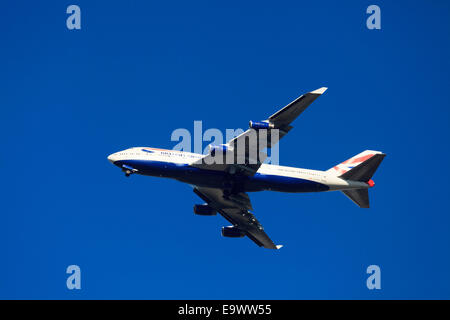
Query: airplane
x=224 y=186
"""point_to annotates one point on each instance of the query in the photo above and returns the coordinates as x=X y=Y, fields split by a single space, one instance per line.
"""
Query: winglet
x=279 y=246
x=319 y=91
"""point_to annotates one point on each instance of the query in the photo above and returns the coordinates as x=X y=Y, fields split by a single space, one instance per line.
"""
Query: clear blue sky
x=137 y=70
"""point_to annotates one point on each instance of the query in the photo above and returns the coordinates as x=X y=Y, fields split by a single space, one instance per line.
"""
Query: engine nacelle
x=204 y=210
x=223 y=148
x=260 y=125
x=232 y=232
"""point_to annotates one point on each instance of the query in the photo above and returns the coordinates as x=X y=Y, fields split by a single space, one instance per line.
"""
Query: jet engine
x=223 y=148
x=232 y=232
x=204 y=210
x=260 y=125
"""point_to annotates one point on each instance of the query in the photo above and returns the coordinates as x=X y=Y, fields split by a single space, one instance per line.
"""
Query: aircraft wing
x=235 y=208
x=283 y=118
x=246 y=151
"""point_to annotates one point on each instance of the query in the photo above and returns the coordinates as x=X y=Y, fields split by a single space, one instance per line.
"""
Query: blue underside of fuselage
x=220 y=179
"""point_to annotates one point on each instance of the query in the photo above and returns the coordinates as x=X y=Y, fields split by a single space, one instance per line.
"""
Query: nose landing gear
x=128 y=170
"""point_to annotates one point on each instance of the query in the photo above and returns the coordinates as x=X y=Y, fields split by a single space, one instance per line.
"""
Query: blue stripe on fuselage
x=285 y=184
x=220 y=179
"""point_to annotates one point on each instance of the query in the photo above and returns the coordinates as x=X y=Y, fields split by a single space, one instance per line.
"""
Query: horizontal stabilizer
x=358 y=196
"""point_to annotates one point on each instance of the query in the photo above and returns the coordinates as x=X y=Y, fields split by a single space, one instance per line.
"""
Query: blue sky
x=137 y=70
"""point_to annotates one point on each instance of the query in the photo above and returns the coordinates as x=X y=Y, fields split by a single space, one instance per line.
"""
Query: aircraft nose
x=112 y=157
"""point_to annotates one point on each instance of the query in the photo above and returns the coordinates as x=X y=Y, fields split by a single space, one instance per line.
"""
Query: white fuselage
x=178 y=165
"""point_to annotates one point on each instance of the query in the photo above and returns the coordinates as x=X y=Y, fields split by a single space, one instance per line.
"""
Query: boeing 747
x=224 y=185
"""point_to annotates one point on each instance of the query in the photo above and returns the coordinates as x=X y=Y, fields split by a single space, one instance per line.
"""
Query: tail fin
x=359 y=168
x=365 y=170
x=353 y=162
